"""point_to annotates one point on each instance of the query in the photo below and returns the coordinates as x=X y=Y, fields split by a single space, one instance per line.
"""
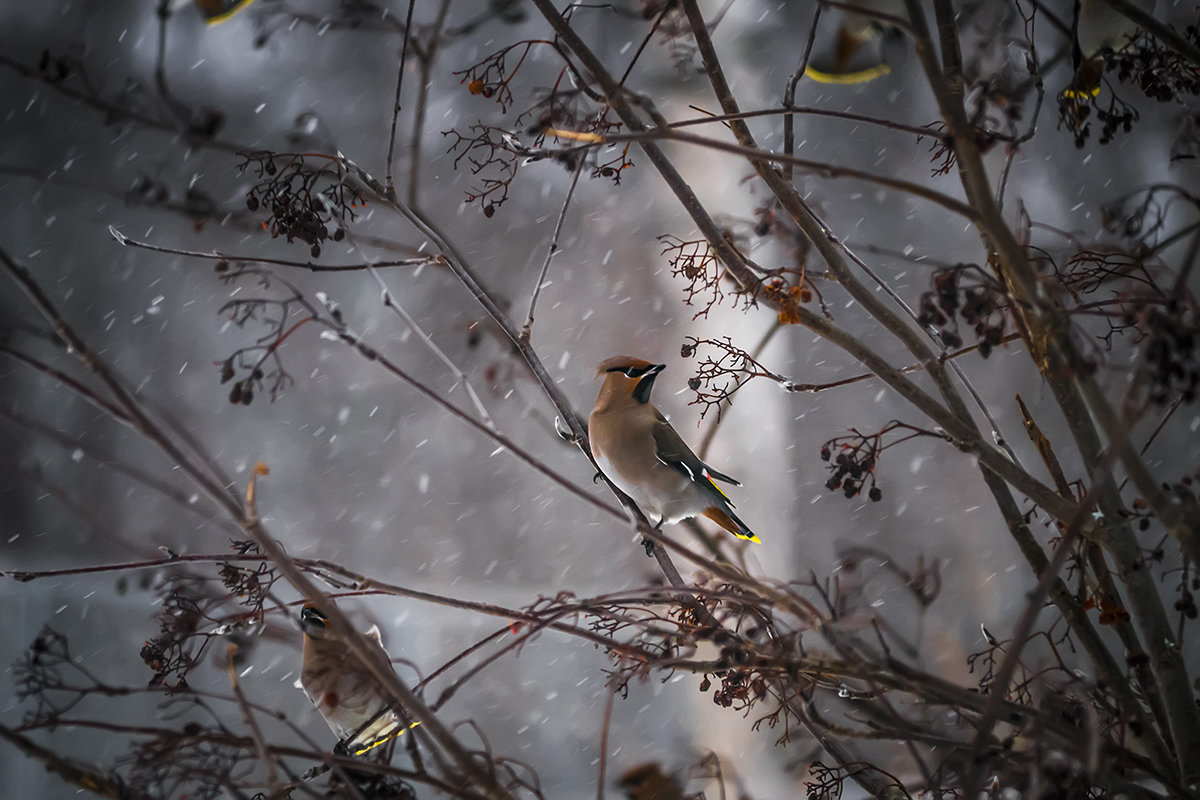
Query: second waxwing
x=349 y=697
x=638 y=450
x=1101 y=29
x=834 y=61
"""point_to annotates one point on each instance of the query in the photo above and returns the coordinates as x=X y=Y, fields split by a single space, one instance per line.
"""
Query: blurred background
x=366 y=472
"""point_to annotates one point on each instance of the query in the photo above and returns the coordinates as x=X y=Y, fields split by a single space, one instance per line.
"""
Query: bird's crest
x=622 y=364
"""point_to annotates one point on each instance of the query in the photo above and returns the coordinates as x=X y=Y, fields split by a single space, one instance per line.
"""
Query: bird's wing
x=721 y=476
x=671 y=450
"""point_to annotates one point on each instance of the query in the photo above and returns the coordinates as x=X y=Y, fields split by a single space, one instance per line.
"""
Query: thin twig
x=112 y=110
x=426 y=58
x=1024 y=625
x=389 y=186
x=223 y=496
x=1160 y=30
x=93 y=779
x=127 y=241
x=371 y=354
x=82 y=446
x=819 y=168
x=453 y=259
x=260 y=743
x=551 y=251
x=1076 y=389
x=173 y=106
x=789 y=94
x=71 y=383
x=604 y=728
x=944 y=355
x=710 y=434
x=389 y=301
x=789 y=110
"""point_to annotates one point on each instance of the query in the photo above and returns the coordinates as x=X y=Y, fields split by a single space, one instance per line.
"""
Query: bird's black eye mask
x=631 y=372
x=645 y=379
x=641 y=392
x=311 y=618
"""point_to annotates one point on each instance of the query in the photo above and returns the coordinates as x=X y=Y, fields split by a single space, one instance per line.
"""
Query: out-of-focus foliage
x=923 y=275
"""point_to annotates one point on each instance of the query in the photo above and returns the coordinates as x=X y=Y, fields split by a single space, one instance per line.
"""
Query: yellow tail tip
x=217 y=11
x=385 y=739
x=848 y=78
x=725 y=521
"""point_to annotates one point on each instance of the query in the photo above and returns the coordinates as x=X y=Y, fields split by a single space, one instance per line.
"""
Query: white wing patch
x=713 y=484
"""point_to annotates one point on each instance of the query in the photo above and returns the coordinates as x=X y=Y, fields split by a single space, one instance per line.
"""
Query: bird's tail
x=730 y=522
x=359 y=745
x=379 y=729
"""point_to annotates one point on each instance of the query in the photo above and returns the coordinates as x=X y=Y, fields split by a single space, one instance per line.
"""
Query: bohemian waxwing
x=1101 y=29
x=855 y=30
x=351 y=700
x=639 y=451
x=214 y=12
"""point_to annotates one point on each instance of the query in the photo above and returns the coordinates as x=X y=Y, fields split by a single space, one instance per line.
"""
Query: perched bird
x=641 y=453
x=834 y=60
x=217 y=11
x=1099 y=30
x=214 y=12
x=351 y=700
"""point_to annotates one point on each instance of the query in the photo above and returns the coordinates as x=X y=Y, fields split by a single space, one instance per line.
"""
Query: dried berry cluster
x=718 y=377
x=242 y=392
x=857 y=454
x=787 y=297
x=981 y=304
x=826 y=783
x=491 y=78
x=193 y=615
x=569 y=113
x=1170 y=350
x=1160 y=72
x=37 y=674
x=1075 y=111
x=495 y=155
x=695 y=262
x=251 y=585
x=260 y=364
x=181 y=642
x=197 y=766
x=492 y=159
x=743 y=687
x=852 y=468
x=307 y=203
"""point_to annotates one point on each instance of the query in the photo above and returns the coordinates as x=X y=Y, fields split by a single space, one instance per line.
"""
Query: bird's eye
x=632 y=372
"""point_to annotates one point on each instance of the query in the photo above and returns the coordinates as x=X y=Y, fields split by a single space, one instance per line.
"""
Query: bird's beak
x=654 y=370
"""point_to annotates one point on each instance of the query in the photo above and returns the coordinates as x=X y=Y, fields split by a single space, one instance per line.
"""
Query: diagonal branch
x=252 y=525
